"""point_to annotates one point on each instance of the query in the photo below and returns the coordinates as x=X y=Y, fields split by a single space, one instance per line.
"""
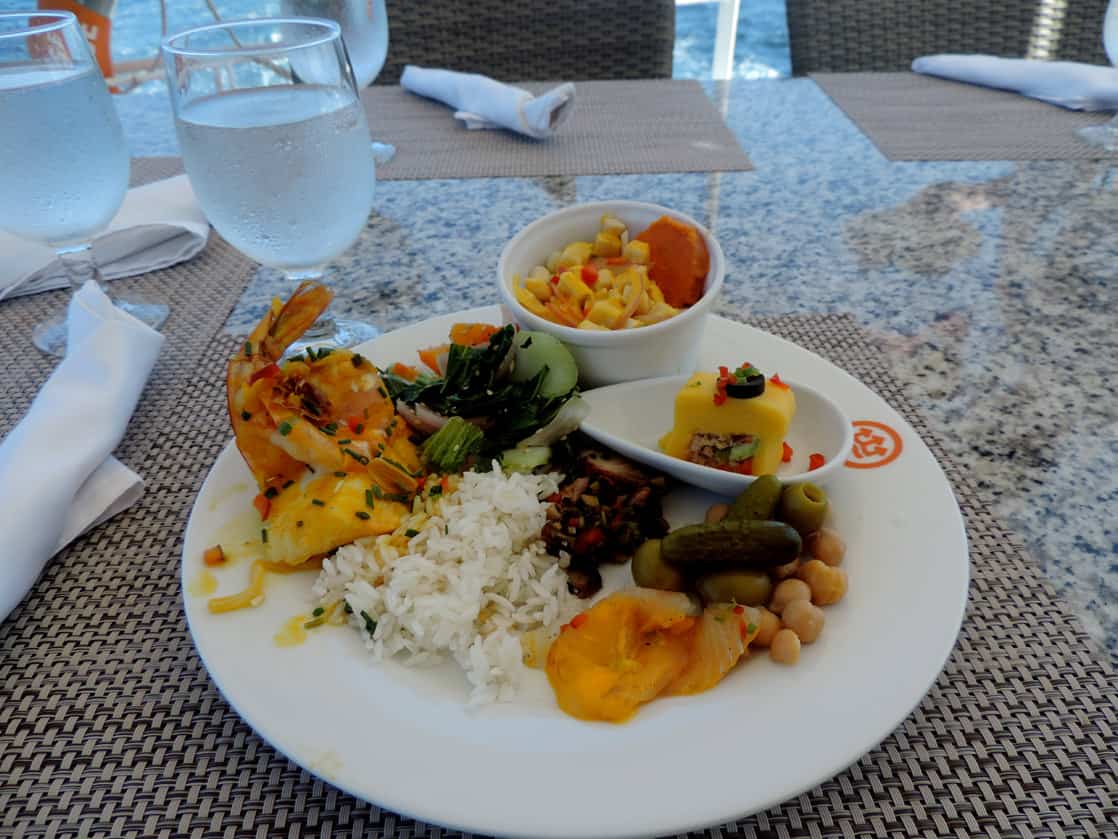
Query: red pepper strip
x=445 y=484
x=739 y=610
x=719 y=397
x=555 y=279
x=578 y=620
x=775 y=379
x=420 y=483
x=589 y=275
x=214 y=556
x=268 y=372
x=814 y=461
x=263 y=505
x=616 y=260
x=723 y=372
x=786 y=455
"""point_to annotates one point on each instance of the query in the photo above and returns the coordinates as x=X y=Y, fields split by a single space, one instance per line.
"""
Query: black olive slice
x=752 y=386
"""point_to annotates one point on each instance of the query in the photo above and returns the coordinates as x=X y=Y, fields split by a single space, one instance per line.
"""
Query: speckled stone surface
x=990 y=287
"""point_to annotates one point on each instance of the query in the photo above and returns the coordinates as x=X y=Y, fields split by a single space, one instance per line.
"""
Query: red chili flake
x=786 y=454
x=719 y=397
x=271 y=371
x=775 y=379
x=354 y=424
x=555 y=279
x=578 y=620
x=814 y=461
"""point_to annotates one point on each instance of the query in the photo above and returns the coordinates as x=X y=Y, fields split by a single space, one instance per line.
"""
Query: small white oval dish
x=631 y=417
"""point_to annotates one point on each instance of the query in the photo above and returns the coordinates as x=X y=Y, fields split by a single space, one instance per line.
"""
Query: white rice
x=468 y=584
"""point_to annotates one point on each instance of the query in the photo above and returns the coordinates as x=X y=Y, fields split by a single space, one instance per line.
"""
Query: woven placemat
x=147 y=169
x=110 y=727
x=913 y=117
x=617 y=128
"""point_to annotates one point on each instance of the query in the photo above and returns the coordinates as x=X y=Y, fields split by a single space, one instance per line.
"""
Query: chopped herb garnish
x=377 y=491
x=401 y=467
x=264 y=536
x=435 y=490
x=357 y=359
x=246 y=416
x=751 y=628
x=248 y=347
x=287 y=484
x=339 y=474
x=271 y=492
x=402 y=497
x=527 y=343
x=361 y=514
x=369 y=498
x=370 y=624
x=360 y=458
x=299 y=523
x=410 y=532
x=344 y=442
x=330 y=428
x=318 y=503
x=357 y=429
x=323 y=352
x=348 y=608
x=284 y=428
x=318 y=611
x=382 y=392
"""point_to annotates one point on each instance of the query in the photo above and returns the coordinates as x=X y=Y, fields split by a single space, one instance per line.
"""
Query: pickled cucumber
x=756 y=544
x=758 y=501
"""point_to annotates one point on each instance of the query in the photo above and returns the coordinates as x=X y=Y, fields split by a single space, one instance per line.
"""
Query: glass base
x=336 y=333
x=50 y=336
x=1105 y=135
x=383 y=152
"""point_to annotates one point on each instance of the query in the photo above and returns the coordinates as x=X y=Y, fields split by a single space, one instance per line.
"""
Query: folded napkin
x=158 y=225
x=56 y=476
x=1079 y=87
x=482 y=102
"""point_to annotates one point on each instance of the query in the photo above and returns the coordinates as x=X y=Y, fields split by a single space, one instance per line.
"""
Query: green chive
x=348 y=608
x=361 y=514
x=246 y=416
x=318 y=503
x=360 y=458
x=751 y=628
x=271 y=492
x=377 y=491
x=339 y=474
x=382 y=392
x=264 y=536
x=248 y=348
x=284 y=428
x=344 y=442
x=357 y=359
x=322 y=353
x=370 y=624
x=369 y=498
x=437 y=489
x=410 y=532
x=330 y=428
x=287 y=484
x=318 y=611
x=357 y=429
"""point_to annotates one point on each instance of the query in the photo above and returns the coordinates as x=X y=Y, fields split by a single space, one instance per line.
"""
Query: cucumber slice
x=526 y=459
x=537 y=350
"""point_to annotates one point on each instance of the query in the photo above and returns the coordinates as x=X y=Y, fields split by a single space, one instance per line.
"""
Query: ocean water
x=761 y=51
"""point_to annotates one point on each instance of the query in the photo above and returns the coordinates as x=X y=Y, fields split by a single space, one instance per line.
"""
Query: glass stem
x=80 y=266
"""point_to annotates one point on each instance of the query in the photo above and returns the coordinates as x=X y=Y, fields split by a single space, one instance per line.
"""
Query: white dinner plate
x=404 y=738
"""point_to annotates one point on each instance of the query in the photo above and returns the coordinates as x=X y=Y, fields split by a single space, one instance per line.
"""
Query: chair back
x=882 y=35
x=525 y=40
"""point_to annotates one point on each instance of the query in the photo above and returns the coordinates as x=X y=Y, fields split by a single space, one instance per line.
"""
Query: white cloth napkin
x=158 y=225
x=1079 y=87
x=56 y=477
x=482 y=102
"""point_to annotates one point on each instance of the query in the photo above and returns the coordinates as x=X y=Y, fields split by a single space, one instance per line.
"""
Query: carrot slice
x=679 y=261
x=430 y=356
x=214 y=556
x=471 y=334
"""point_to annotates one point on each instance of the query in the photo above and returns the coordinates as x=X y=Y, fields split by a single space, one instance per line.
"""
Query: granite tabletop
x=989 y=287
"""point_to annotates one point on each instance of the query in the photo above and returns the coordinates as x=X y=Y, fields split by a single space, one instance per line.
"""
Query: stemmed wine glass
x=1106 y=135
x=63 y=159
x=364 y=26
x=275 y=142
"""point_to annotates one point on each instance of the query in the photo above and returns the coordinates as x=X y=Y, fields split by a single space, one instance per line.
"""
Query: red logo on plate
x=875 y=444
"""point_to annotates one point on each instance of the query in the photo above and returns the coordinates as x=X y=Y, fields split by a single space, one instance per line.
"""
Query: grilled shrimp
x=320 y=435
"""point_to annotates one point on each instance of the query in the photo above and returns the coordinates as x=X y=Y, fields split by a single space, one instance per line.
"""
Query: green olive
x=749 y=588
x=650 y=570
x=804 y=506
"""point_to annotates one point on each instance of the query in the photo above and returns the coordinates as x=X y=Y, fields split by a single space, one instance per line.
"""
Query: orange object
x=214 y=556
x=405 y=371
x=875 y=444
x=430 y=356
x=472 y=334
x=263 y=505
x=95 y=19
x=679 y=261
x=269 y=372
x=814 y=461
x=786 y=456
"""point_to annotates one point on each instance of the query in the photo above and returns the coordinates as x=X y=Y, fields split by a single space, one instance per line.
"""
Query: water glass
x=63 y=158
x=275 y=142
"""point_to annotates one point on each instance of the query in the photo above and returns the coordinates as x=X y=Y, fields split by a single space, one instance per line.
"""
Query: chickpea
x=828 y=584
x=716 y=513
x=783 y=572
x=826 y=546
x=785 y=647
x=768 y=625
x=804 y=619
x=786 y=592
